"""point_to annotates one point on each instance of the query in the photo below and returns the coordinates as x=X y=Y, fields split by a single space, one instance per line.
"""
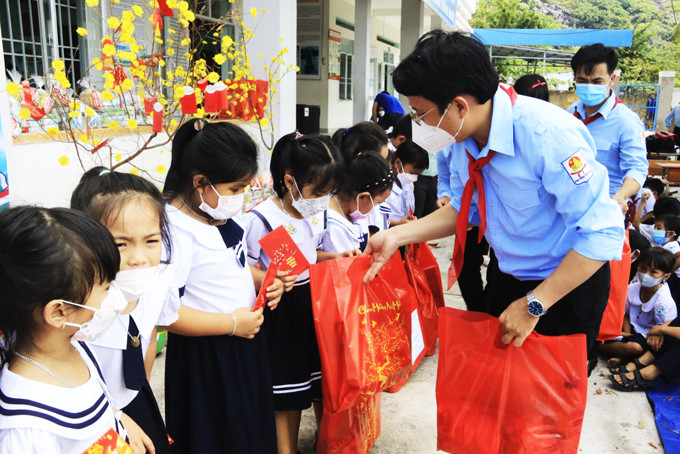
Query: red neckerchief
x=592 y=118
x=475 y=180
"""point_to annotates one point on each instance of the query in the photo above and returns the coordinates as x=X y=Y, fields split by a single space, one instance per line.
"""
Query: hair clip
x=104 y=172
x=297 y=135
x=199 y=124
x=538 y=84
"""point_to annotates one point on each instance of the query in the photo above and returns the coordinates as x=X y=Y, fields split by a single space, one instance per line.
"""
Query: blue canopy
x=554 y=37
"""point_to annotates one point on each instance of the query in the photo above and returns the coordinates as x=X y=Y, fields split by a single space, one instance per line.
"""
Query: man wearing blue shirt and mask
x=524 y=171
x=617 y=130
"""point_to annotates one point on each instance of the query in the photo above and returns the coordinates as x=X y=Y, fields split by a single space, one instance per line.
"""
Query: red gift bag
x=427 y=308
x=423 y=256
x=497 y=398
x=612 y=319
x=362 y=329
x=354 y=430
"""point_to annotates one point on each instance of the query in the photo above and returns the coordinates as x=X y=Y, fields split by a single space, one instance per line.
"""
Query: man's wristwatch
x=535 y=306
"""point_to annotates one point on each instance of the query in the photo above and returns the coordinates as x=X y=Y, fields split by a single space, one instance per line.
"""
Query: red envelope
x=111 y=443
x=266 y=282
x=283 y=251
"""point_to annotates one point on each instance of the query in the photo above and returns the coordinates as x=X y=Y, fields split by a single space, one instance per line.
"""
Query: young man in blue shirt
x=617 y=130
x=673 y=119
x=546 y=213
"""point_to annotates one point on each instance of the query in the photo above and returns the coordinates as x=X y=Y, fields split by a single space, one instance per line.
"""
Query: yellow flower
x=132 y=123
x=113 y=124
x=118 y=157
x=83 y=138
x=73 y=114
x=138 y=10
x=184 y=42
x=92 y=3
x=52 y=131
x=89 y=112
x=213 y=77
x=264 y=10
x=81 y=31
x=107 y=96
x=134 y=171
x=219 y=59
x=74 y=105
x=173 y=123
x=253 y=11
x=97 y=63
x=58 y=65
x=109 y=50
x=24 y=114
x=264 y=122
x=64 y=160
x=13 y=89
x=171 y=52
x=126 y=84
x=128 y=16
x=161 y=169
x=113 y=22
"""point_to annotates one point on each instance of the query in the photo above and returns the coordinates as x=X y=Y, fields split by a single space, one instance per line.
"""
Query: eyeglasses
x=419 y=118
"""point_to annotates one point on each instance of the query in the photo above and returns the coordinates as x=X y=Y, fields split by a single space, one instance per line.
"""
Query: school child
x=641 y=205
x=410 y=160
x=366 y=136
x=665 y=234
x=649 y=303
x=305 y=169
x=662 y=206
x=56 y=271
x=218 y=395
x=133 y=210
x=366 y=182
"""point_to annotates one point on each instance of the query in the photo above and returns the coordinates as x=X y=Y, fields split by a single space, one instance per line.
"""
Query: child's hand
x=645 y=197
x=274 y=293
x=287 y=280
x=655 y=341
x=248 y=322
x=443 y=201
x=139 y=441
x=351 y=253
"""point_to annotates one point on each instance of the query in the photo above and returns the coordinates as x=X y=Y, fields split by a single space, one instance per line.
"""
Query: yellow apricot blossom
x=81 y=31
x=113 y=124
x=134 y=171
x=219 y=59
x=113 y=22
x=52 y=131
x=92 y=3
x=107 y=95
x=138 y=10
x=64 y=160
x=13 y=89
x=132 y=123
x=213 y=77
x=161 y=169
x=58 y=65
x=89 y=111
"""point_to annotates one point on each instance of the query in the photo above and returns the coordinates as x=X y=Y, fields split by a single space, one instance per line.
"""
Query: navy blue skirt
x=144 y=411
x=218 y=395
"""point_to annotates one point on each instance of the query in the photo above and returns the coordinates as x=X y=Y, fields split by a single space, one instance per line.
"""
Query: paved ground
x=615 y=422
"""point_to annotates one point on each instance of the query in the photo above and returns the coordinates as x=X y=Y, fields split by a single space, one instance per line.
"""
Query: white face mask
x=356 y=214
x=309 y=207
x=137 y=281
x=648 y=281
x=406 y=178
x=228 y=206
x=434 y=138
x=112 y=305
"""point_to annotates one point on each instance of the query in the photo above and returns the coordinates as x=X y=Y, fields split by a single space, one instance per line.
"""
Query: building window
x=345 y=76
x=28 y=38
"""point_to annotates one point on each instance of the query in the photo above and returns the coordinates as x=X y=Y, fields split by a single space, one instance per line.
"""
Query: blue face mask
x=591 y=94
x=659 y=237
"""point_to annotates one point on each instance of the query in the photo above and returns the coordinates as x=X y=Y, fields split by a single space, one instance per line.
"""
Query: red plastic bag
x=496 y=398
x=427 y=308
x=354 y=430
x=612 y=319
x=423 y=256
x=362 y=329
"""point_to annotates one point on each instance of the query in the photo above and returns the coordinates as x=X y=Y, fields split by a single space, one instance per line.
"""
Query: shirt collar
x=605 y=109
x=501 y=136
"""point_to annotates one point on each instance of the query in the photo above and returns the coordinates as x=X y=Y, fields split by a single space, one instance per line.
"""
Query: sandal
x=622 y=368
x=638 y=383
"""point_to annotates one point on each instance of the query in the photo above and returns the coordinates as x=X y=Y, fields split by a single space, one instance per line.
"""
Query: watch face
x=535 y=308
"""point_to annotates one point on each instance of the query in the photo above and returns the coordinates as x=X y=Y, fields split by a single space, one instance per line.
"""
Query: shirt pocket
x=522 y=207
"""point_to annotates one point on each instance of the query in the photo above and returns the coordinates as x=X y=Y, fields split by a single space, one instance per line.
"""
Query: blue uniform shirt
x=443 y=183
x=619 y=142
x=545 y=192
x=673 y=118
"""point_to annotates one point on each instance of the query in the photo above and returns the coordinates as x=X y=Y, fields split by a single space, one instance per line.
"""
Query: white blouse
x=342 y=235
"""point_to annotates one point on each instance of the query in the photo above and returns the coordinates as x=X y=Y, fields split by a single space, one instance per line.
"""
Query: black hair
x=102 y=194
x=363 y=136
x=366 y=171
x=412 y=153
x=387 y=121
x=444 y=65
x=220 y=151
x=310 y=159
x=533 y=85
x=670 y=222
x=655 y=184
x=590 y=56
x=657 y=258
x=403 y=127
x=48 y=254
x=666 y=205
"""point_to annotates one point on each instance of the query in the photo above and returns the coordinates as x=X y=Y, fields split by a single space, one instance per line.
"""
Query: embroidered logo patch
x=578 y=168
x=660 y=310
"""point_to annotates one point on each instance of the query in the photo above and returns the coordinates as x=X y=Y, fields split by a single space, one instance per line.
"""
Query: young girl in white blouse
x=217 y=379
x=133 y=210
x=56 y=273
x=304 y=169
x=410 y=160
x=366 y=182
